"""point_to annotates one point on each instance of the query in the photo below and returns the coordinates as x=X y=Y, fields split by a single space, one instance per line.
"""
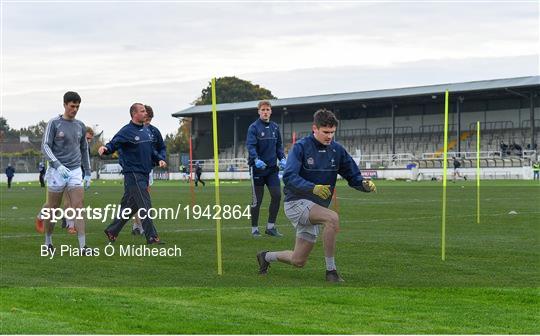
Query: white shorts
x=56 y=183
x=297 y=212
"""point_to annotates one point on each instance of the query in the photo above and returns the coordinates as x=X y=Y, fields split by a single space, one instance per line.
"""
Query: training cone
x=40 y=226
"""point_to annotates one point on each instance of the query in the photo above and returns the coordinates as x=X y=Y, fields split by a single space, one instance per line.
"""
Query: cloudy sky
x=164 y=53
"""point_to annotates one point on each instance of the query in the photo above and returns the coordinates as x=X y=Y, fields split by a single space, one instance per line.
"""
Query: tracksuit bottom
x=135 y=197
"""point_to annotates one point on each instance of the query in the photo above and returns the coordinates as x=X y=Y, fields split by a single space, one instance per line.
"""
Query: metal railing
x=237 y=164
x=463 y=155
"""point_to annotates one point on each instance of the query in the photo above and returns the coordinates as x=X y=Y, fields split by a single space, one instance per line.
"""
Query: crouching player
x=310 y=178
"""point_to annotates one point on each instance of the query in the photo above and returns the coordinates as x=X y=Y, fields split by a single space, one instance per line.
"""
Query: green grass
x=388 y=252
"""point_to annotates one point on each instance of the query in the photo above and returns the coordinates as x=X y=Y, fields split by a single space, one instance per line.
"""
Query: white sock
x=254 y=228
x=48 y=238
x=270 y=256
x=330 y=263
x=70 y=223
x=270 y=226
x=82 y=240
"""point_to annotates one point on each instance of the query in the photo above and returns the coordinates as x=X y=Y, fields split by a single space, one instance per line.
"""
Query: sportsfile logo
x=114 y=211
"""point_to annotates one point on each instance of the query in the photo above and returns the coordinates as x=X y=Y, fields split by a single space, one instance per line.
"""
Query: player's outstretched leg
x=116 y=226
x=307 y=230
x=297 y=258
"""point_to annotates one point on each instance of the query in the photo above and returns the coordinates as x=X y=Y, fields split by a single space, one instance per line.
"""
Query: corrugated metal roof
x=376 y=94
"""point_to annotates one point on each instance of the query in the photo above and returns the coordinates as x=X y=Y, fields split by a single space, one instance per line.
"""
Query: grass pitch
x=388 y=251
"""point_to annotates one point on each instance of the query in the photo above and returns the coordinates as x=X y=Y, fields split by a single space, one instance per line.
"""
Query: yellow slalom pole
x=445 y=166
x=216 y=176
x=477 y=172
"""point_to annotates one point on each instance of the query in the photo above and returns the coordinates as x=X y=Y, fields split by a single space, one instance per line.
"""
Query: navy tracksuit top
x=264 y=143
x=135 y=148
x=310 y=163
x=158 y=143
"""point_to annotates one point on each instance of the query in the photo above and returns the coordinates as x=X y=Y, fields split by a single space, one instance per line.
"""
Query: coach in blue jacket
x=265 y=148
x=137 y=156
x=310 y=178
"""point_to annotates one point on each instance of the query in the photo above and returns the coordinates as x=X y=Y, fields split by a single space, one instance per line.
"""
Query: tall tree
x=35 y=131
x=179 y=142
x=233 y=90
x=7 y=132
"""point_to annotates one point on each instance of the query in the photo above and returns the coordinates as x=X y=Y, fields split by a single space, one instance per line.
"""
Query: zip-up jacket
x=158 y=143
x=310 y=163
x=136 y=151
x=264 y=143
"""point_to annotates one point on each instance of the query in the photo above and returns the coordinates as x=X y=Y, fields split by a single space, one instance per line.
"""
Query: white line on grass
x=247 y=227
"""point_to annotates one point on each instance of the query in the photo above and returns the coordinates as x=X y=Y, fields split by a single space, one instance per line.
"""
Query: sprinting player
x=137 y=157
x=457 y=173
x=70 y=223
x=265 y=150
x=198 y=173
x=66 y=149
x=159 y=146
x=310 y=178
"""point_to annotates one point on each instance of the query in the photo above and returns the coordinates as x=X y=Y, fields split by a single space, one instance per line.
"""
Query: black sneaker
x=110 y=236
x=64 y=223
x=465 y=177
x=333 y=276
x=273 y=232
x=51 y=248
x=256 y=234
x=263 y=264
x=136 y=232
x=86 y=251
x=155 y=240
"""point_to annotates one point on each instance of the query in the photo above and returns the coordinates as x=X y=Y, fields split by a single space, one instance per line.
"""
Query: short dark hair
x=132 y=108
x=264 y=102
x=149 y=111
x=325 y=118
x=72 y=96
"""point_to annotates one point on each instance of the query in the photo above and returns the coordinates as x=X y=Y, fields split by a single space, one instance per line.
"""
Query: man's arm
x=291 y=176
x=279 y=146
x=160 y=146
x=251 y=144
x=349 y=171
x=115 y=143
x=156 y=157
x=48 y=140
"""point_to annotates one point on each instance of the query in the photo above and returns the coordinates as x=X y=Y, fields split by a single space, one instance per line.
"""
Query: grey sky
x=163 y=54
